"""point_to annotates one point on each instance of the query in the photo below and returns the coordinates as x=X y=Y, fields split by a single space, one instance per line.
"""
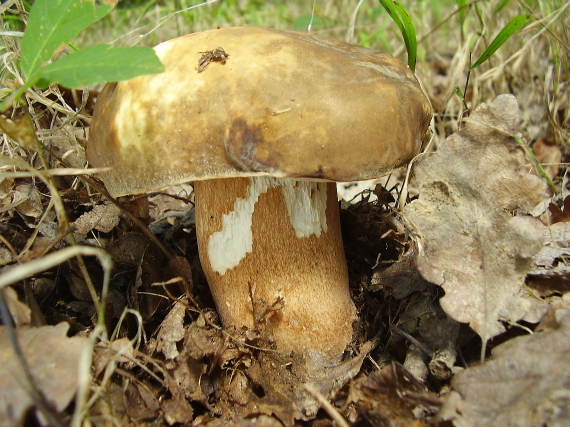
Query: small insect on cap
x=250 y=101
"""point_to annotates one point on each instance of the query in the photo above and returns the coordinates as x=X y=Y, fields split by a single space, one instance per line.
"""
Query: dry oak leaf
x=473 y=245
x=53 y=360
x=525 y=383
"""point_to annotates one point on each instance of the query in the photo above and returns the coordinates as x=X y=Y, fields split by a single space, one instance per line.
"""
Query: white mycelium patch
x=306 y=204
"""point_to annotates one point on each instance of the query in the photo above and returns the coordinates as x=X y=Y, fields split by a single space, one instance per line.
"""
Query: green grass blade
x=409 y=36
x=462 y=7
x=98 y=64
x=51 y=23
x=509 y=29
x=501 y=6
x=459 y=93
x=406 y=26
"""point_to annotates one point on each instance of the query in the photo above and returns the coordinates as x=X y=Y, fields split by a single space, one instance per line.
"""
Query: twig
x=327 y=406
x=410 y=338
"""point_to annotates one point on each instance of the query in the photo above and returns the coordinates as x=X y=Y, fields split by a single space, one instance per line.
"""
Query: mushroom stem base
x=272 y=252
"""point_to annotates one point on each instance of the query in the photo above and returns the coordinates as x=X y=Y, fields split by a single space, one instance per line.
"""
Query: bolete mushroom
x=264 y=134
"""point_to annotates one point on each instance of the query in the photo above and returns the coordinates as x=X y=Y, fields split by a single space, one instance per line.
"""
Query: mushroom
x=264 y=135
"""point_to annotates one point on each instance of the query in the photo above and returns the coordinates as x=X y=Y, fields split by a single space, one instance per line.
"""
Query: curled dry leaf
x=102 y=218
x=525 y=383
x=473 y=245
x=392 y=397
x=549 y=154
x=28 y=201
x=172 y=331
x=550 y=276
x=53 y=359
x=21 y=313
x=551 y=260
x=108 y=353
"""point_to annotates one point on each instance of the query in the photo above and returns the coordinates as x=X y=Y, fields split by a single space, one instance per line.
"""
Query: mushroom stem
x=272 y=252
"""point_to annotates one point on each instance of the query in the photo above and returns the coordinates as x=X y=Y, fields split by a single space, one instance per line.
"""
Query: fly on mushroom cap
x=263 y=133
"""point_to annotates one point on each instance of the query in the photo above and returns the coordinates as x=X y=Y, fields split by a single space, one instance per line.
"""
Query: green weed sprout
x=53 y=23
x=402 y=19
x=506 y=33
x=406 y=26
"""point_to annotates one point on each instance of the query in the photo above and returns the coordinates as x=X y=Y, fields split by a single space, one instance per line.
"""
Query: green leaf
x=53 y=22
x=509 y=29
x=459 y=93
x=406 y=26
x=98 y=64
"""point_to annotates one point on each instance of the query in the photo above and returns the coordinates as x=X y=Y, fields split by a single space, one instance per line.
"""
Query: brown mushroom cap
x=285 y=104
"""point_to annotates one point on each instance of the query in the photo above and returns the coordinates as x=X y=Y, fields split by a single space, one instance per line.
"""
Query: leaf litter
x=199 y=373
x=526 y=383
x=476 y=241
x=53 y=360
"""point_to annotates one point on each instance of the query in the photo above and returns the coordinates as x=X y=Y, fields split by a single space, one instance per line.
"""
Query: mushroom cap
x=284 y=104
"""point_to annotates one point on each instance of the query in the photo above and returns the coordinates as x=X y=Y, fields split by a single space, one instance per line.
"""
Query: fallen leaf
x=102 y=218
x=21 y=313
x=401 y=278
x=172 y=331
x=28 y=201
x=550 y=275
x=393 y=397
x=190 y=378
x=141 y=402
x=202 y=340
x=177 y=410
x=552 y=259
x=549 y=154
x=424 y=319
x=53 y=360
x=473 y=244
x=525 y=383
x=559 y=215
x=108 y=354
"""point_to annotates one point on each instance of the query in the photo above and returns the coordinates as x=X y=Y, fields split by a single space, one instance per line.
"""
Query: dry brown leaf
x=108 y=354
x=141 y=403
x=525 y=383
x=53 y=360
x=6 y=190
x=190 y=378
x=392 y=397
x=101 y=218
x=550 y=276
x=548 y=154
x=172 y=331
x=552 y=260
x=28 y=201
x=474 y=247
x=21 y=313
x=177 y=410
